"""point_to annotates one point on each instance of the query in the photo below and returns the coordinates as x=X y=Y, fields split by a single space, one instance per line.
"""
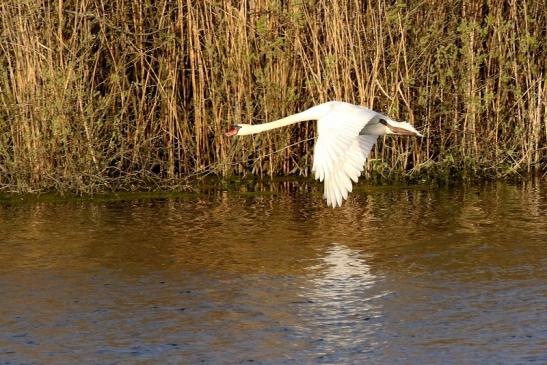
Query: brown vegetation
x=99 y=95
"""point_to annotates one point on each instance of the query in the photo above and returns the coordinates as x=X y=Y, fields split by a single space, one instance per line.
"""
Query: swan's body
x=346 y=134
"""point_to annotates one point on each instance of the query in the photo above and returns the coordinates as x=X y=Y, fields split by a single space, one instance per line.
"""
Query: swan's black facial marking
x=383 y=121
x=233 y=131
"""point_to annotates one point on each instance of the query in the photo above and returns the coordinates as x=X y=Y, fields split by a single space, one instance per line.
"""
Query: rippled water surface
x=398 y=275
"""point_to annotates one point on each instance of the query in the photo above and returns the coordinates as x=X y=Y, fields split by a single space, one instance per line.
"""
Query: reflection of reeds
x=288 y=232
x=98 y=95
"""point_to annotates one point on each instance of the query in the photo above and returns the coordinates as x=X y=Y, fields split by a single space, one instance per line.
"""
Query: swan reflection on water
x=343 y=301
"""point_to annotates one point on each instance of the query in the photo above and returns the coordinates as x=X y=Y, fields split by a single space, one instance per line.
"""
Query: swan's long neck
x=310 y=114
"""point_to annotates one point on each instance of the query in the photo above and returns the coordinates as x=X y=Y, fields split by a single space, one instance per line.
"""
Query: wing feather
x=340 y=152
x=338 y=183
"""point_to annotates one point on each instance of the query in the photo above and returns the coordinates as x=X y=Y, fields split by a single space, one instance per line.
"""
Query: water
x=398 y=275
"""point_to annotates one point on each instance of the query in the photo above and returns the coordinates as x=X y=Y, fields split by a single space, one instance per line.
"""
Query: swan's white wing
x=338 y=184
x=340 y=152
x=365 y=146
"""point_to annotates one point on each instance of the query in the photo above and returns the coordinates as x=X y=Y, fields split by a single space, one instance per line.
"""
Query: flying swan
x=346 y=134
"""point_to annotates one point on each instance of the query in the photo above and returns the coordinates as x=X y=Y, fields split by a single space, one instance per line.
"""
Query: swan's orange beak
x=232 y=132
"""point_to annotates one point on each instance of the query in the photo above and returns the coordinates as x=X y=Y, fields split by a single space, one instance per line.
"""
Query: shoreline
x=252 y=187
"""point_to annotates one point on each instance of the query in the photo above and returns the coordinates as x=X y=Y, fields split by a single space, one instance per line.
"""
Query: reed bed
x=99 y=95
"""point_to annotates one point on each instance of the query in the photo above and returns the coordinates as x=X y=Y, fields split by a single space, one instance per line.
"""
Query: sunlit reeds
x=99 y=95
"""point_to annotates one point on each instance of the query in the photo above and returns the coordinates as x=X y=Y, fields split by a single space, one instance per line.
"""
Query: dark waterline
x=397 y=275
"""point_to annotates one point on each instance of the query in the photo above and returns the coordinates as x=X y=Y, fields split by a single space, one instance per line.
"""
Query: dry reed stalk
x=98 y=95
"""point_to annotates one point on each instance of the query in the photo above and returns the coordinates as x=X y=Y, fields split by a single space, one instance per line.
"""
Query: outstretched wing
x=340 y=152
x=338 y=180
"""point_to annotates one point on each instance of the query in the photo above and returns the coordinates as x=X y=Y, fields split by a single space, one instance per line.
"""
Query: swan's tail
x=402 y=128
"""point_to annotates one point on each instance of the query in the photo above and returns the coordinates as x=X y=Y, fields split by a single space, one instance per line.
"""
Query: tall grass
x=99 y=95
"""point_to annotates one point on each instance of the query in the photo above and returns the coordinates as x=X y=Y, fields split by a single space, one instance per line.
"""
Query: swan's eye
x=383 y=121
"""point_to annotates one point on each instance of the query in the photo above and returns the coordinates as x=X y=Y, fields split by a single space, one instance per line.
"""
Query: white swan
x=346 y=134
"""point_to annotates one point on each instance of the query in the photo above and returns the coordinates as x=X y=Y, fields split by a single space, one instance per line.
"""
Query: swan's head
x=233 y=131
x=240 y=130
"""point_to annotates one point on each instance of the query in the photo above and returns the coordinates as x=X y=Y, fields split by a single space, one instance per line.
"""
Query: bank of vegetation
x=100 y=95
